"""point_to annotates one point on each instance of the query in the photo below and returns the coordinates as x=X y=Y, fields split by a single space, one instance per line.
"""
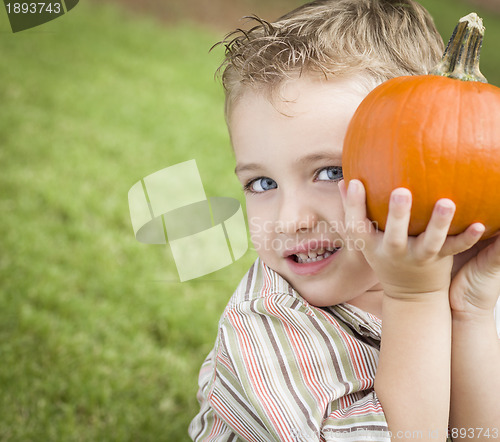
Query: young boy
x=339 y=331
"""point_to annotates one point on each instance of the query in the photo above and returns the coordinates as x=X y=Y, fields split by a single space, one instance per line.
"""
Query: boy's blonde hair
x=379 y=39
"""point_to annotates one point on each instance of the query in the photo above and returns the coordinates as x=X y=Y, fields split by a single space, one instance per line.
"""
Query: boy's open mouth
x=314 y=255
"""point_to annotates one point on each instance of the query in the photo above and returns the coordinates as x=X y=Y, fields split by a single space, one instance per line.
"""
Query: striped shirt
x=283 y=370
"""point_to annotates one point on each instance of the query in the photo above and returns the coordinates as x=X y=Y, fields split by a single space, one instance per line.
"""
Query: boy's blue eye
x=260 y=185
x=332 y=173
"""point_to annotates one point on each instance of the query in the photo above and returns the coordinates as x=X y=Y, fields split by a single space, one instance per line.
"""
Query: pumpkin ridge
x=400 y=139
x=423 y=166
x=459 y=129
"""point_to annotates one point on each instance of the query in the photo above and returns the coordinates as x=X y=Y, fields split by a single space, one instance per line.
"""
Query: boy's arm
x=475 y=412
x=413 y=376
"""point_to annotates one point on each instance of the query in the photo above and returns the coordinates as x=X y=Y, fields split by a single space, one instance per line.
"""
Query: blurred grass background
x=98 y=340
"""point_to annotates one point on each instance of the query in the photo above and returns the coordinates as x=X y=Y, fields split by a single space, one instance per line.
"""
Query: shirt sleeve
x=282 y=371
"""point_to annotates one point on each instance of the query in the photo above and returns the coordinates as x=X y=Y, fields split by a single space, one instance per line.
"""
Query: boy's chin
x=318 y=294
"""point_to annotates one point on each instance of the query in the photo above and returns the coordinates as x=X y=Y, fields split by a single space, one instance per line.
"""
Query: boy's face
x=288 y=158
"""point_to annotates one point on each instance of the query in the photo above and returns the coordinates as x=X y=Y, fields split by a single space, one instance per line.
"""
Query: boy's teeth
x=314 y=256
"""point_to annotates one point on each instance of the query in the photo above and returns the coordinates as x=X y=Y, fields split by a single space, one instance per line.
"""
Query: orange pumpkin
x=437 y=135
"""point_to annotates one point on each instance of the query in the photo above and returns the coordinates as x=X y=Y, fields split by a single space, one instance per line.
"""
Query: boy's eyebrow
x=319 y=156
x=246 y=167
x=307 y=159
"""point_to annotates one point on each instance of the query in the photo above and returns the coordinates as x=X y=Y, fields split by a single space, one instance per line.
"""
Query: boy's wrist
x=418 y=287
x=420 y=297
x=473 y=315
x=418 y=306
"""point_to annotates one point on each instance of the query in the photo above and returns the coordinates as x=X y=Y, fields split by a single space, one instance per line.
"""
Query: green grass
x=98 y=340
x=446 y=14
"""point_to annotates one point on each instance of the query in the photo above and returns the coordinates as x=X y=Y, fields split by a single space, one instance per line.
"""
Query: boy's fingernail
x=479 y=228
x=401 y=198
x=353 y=187
x=445 y=207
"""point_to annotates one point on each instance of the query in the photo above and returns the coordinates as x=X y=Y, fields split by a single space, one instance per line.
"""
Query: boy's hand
x=407 y=267
x=475 y=286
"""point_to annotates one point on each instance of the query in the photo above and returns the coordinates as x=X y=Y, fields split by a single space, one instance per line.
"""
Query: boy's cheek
x=260 y=239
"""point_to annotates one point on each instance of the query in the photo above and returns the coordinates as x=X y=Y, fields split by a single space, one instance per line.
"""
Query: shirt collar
x=362 y=322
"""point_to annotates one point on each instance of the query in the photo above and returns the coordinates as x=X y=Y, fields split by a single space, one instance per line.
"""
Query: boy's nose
x=296 y=213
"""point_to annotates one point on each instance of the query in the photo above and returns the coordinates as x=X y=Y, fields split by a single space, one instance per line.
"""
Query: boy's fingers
x=398 y=219
x=495 y=251
x=492 y=255
x=464 y=241
x=343 y=191
x=431 y=241
x=354 y=200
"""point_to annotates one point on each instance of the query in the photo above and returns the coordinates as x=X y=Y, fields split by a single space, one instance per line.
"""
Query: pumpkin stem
x=461 y=56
